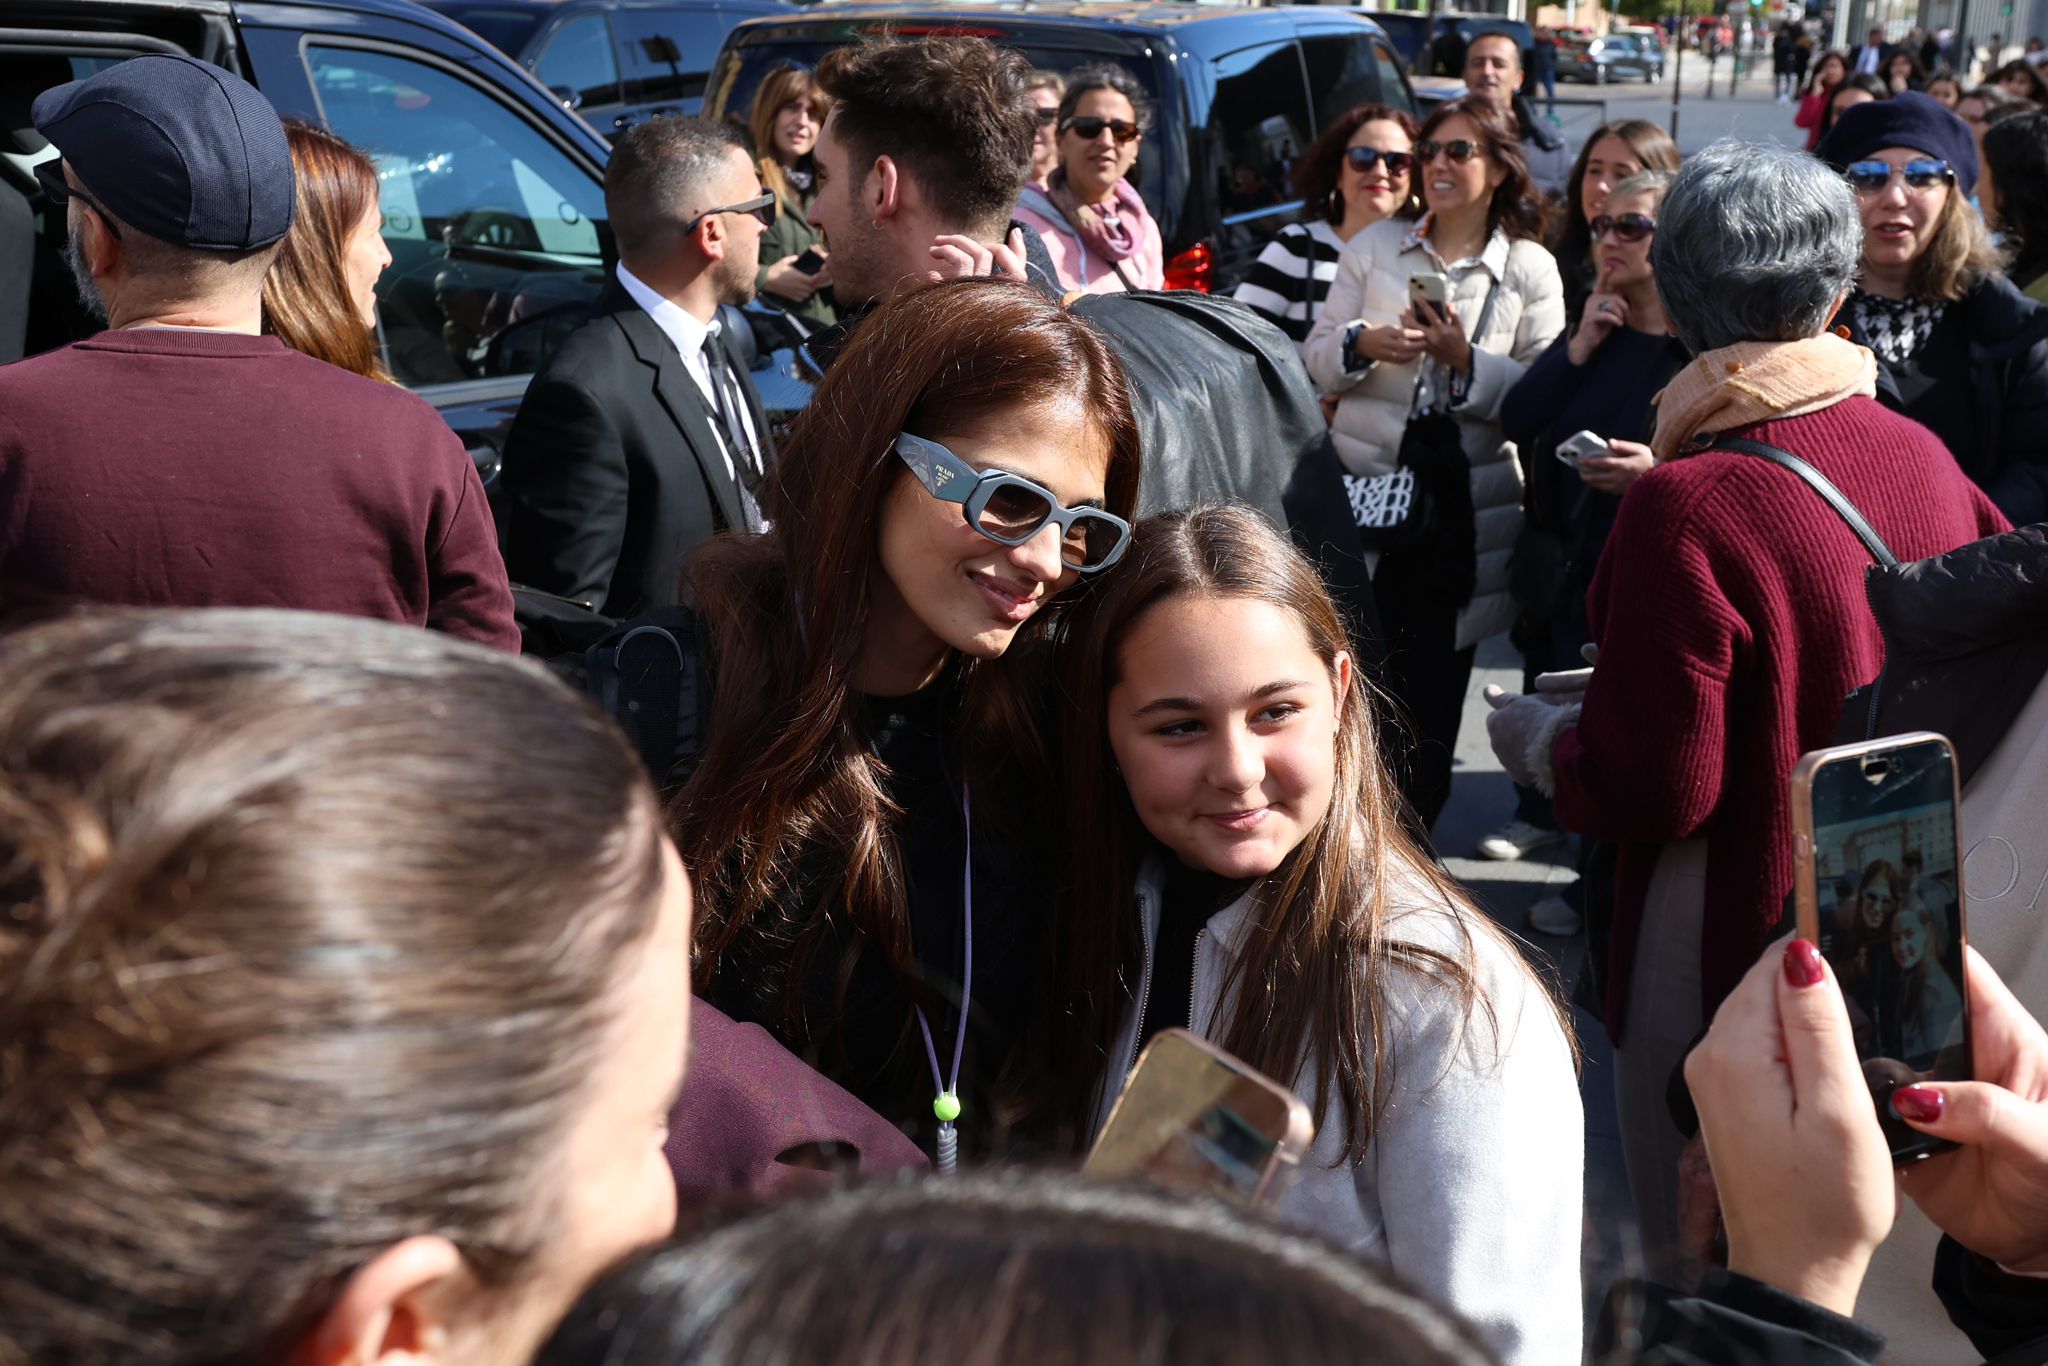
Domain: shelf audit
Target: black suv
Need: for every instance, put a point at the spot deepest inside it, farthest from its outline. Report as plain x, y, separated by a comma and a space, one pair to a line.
1239, 94
616, 62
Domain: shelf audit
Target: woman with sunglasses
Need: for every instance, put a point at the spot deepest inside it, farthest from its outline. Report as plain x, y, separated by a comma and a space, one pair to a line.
1094, 223
864, 817
1387, 354
1045, 90
1960, 349
1615, 152
1358, 173
789, 112
1601, 377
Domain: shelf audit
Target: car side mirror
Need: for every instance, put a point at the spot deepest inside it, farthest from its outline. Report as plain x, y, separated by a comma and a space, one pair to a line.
571, 99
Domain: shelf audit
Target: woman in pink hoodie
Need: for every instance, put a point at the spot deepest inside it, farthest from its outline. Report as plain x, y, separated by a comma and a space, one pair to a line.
1096, 228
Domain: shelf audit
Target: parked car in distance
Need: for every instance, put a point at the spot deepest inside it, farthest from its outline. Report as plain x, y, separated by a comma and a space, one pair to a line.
615, 62
492, 193
1614, 57
1650, 34
1238, 95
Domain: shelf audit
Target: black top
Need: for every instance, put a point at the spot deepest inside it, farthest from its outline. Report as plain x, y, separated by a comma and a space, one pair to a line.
1186, 902
870, 1042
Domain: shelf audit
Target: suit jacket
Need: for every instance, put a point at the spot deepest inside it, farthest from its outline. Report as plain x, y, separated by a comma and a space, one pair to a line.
612, 473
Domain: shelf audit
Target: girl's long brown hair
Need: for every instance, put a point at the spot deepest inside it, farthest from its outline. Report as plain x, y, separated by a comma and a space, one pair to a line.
1309, 982
784, 823
306, 299
779, 87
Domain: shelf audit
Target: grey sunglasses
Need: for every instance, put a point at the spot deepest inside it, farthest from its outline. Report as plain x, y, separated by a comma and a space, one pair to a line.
1009, 509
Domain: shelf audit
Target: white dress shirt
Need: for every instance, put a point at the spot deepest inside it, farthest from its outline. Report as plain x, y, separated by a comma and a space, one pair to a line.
689, 332
1867, 60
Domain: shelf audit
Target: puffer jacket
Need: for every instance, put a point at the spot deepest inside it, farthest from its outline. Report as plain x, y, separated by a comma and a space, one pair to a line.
1372, 410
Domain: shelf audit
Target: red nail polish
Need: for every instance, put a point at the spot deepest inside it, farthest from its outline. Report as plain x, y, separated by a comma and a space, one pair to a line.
1802, 964
1917, 1103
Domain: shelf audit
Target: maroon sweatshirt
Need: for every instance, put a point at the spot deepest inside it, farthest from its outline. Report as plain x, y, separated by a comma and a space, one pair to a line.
1732, 622
163, 467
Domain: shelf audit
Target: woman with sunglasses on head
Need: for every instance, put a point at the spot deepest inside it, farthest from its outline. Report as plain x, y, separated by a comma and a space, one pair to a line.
1388, 354
789, 112
1283, 911
1603, 377
1959, 348
865, 813
1094, 223
1358, 173
1615, 152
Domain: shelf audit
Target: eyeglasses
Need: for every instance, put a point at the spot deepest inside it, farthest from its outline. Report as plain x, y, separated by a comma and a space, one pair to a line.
59, 191
1010, 510
761, 207
1364, 158
1873, 177
1459, 150
1629, 227
1090, 128
1046, 113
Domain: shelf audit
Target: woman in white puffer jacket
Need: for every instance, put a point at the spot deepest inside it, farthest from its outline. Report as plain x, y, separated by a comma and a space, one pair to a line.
1372, 350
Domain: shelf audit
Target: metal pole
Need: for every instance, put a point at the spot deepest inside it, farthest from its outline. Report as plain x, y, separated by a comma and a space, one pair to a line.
1734, 66
1677, 68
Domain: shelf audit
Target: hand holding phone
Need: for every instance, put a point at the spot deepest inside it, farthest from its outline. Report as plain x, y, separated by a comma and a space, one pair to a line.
1429, 286
1195, 1119
1579, 445
811, 262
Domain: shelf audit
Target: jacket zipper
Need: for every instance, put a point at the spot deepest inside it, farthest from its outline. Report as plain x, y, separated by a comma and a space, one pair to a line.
1144, 991
1195, 979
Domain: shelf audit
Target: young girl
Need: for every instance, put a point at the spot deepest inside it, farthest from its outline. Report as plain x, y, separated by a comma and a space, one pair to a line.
1282, 912
863, 819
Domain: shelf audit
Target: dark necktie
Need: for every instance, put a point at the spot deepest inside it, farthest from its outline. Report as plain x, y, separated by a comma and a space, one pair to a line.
725, 404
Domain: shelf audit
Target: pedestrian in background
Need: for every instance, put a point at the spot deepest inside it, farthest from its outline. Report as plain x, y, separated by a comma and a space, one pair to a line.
1613, 153
2012, 187
1830, 71
1045, 89
321, 294
789, 109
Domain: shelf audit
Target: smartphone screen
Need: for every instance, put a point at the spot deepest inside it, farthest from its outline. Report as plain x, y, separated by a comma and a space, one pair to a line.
1886, 908
1193, 1118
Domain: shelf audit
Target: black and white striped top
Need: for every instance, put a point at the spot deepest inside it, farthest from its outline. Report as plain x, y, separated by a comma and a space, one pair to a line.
1292, 276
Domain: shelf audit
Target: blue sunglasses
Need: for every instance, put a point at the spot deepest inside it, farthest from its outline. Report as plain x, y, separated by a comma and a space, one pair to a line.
1009, 509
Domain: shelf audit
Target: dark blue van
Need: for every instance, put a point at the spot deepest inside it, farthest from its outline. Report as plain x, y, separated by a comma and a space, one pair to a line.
1240, 93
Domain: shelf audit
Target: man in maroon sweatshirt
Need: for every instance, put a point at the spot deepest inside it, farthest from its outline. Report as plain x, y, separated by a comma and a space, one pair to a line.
180, 458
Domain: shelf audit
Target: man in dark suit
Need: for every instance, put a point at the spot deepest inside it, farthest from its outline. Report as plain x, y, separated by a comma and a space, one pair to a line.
640, 437
1870, 59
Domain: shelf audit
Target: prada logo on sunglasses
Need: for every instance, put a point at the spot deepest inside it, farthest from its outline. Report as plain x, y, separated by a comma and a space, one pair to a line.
1012, 510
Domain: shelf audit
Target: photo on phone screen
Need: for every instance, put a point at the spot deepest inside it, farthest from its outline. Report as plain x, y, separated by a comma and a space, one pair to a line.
1888, 907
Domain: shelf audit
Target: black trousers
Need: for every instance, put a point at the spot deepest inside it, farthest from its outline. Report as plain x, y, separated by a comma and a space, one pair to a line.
1426, 675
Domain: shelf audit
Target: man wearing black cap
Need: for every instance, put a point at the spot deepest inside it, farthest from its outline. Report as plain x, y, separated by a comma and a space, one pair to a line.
180, 458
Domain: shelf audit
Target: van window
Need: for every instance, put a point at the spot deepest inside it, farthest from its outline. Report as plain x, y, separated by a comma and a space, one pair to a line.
1258, 126
1341, 73
667, 53
1393, 88
496, 233
578, 58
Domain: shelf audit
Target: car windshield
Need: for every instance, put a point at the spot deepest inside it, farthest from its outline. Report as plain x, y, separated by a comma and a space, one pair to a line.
741, 71
504, 27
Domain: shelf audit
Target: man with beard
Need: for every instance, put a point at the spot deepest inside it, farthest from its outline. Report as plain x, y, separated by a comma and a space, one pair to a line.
640, 437
182, 459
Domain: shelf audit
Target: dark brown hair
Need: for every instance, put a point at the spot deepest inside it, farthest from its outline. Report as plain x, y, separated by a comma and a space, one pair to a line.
306, 298
811, 840
1316, 174
954, 112
1309, 979
1514, 209
655, 172
1011, 1268
1652, 147
311, 935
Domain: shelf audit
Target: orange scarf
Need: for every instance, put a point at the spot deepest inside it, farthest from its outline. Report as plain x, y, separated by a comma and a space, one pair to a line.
1751, 382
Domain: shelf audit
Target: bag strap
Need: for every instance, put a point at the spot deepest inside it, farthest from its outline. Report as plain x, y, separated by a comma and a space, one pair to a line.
1818, 482
1485, 316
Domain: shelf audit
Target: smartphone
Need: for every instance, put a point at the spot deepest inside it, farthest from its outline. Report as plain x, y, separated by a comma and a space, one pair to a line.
1430, 286
810, 263
1579, 445
1193, 1118
1878, 886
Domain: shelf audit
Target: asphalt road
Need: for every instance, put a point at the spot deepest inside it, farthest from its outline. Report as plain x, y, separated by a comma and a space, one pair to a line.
1752, 115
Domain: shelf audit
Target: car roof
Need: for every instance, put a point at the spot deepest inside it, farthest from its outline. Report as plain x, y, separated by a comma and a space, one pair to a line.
1192, 24
546, 6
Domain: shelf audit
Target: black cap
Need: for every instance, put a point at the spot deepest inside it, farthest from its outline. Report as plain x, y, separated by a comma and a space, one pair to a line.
185, 152
1907, 119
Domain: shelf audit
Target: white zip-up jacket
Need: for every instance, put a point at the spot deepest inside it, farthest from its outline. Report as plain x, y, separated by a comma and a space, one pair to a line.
1472, 1189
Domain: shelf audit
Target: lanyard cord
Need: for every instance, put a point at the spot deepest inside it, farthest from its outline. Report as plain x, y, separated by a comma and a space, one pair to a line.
946, 1104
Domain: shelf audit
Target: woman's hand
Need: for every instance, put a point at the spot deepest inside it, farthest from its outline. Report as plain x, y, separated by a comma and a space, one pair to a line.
959, 256
1624, 463
1393, 344
1804, 1175
1991, 1195
785, 281
1604, 312
1442, 337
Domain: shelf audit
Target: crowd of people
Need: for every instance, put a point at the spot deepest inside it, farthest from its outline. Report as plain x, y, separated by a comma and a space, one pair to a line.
369, 994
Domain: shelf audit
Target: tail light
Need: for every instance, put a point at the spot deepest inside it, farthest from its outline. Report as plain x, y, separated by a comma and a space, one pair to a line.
1193, 269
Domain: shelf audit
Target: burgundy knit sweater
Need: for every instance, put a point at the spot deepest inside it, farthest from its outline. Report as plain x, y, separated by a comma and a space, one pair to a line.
1732, 622
162, 467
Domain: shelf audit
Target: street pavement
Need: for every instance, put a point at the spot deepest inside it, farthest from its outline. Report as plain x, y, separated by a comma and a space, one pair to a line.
1482, 798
